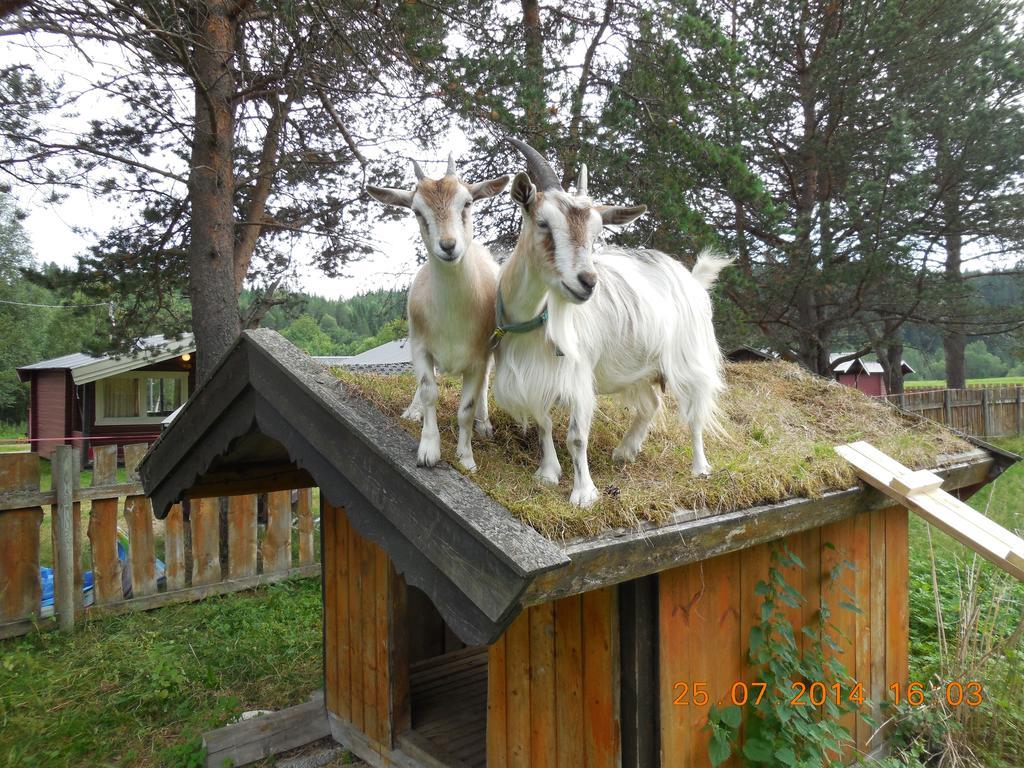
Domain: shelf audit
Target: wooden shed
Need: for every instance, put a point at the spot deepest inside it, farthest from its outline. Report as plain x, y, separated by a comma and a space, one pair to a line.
93, 400
456, 635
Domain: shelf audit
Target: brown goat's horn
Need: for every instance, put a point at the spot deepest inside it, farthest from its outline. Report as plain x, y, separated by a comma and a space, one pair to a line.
450, 171
541, 172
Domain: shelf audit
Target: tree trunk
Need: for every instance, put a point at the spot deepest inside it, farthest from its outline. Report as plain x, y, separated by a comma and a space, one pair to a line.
894, 372
212, 190
534, 90
953, 339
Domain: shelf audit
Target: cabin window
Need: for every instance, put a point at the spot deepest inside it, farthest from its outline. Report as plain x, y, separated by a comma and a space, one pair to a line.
140, 398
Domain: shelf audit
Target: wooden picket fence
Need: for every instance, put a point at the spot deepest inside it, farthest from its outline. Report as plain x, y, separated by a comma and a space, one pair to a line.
979, 411
258, 551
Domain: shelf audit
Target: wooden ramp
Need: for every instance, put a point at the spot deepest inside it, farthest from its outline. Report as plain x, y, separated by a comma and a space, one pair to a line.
921, 491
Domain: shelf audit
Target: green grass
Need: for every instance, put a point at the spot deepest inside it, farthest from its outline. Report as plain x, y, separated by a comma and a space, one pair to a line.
140, 689
982, 608
1004, 381
780, 425
10, 433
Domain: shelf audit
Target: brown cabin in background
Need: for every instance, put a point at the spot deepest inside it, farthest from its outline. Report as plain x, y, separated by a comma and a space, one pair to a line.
87, 400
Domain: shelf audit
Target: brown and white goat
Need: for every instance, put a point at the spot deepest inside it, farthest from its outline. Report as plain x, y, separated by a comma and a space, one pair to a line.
615, 320
450, 305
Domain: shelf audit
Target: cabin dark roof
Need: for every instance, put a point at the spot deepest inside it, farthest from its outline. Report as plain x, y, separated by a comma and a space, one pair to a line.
271, 417
85, 368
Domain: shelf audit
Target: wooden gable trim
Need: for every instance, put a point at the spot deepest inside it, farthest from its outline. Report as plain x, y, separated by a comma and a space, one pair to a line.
270, 416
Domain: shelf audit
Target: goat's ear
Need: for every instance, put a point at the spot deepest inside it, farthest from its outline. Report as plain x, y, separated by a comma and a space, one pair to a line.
620, 214
489, 188
388, 196
523, 191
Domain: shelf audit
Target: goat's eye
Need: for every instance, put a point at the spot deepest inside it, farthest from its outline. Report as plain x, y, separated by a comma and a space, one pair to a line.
542, 225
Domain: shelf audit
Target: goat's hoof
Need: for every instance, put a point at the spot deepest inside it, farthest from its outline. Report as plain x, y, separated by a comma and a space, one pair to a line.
484, 429
547, 477
584, 497
701, 471
468, 464
412, 414
428, 455
624, 455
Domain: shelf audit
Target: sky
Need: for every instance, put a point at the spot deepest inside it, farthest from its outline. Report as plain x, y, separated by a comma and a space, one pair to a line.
61, 231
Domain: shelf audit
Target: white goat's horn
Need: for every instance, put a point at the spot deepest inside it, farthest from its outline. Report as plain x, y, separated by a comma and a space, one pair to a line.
418, 171
581, 181
541, 172
451, 166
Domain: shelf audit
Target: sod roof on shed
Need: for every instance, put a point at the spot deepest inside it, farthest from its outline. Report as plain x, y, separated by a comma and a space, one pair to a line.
781, 424
272, 418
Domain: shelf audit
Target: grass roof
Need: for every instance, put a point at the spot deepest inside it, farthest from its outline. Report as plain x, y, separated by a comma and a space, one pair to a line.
781, 425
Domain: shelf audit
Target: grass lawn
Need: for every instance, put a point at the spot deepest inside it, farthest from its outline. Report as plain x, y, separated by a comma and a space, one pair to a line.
982, 607
1004, 381
140, 689
10, 433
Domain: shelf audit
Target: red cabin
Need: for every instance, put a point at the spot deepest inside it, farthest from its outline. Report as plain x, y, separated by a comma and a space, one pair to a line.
87, 400
865, 375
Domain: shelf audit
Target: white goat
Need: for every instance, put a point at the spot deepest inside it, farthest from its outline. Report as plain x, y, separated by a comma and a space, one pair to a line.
617, 321
451, 305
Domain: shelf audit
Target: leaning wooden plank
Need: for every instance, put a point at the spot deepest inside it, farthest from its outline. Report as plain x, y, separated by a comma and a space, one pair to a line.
252, 740
277, 546
970, 517
993, 528
138, 514
997, 545
965, 528
20, 587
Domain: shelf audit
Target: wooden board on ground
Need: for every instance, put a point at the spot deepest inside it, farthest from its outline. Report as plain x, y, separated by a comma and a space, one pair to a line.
920, 492
267, 735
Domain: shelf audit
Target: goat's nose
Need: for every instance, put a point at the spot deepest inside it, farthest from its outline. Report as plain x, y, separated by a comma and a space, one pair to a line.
588, 279
447, 245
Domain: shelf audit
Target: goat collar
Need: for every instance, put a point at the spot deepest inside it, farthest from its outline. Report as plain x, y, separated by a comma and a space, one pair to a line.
504, 327
514, 328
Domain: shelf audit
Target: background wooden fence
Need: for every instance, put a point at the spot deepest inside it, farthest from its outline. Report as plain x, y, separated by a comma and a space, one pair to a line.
261, 546
980, 411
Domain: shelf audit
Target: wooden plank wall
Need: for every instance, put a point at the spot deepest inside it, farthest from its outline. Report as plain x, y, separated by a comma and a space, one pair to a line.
365, 668
706, 610
553, 686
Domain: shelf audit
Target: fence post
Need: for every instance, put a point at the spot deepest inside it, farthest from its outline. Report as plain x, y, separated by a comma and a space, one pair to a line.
64, 599
1020, 427
985, 415
947, 406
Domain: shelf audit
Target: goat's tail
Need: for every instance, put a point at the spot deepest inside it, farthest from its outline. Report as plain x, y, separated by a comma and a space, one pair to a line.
708, 265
